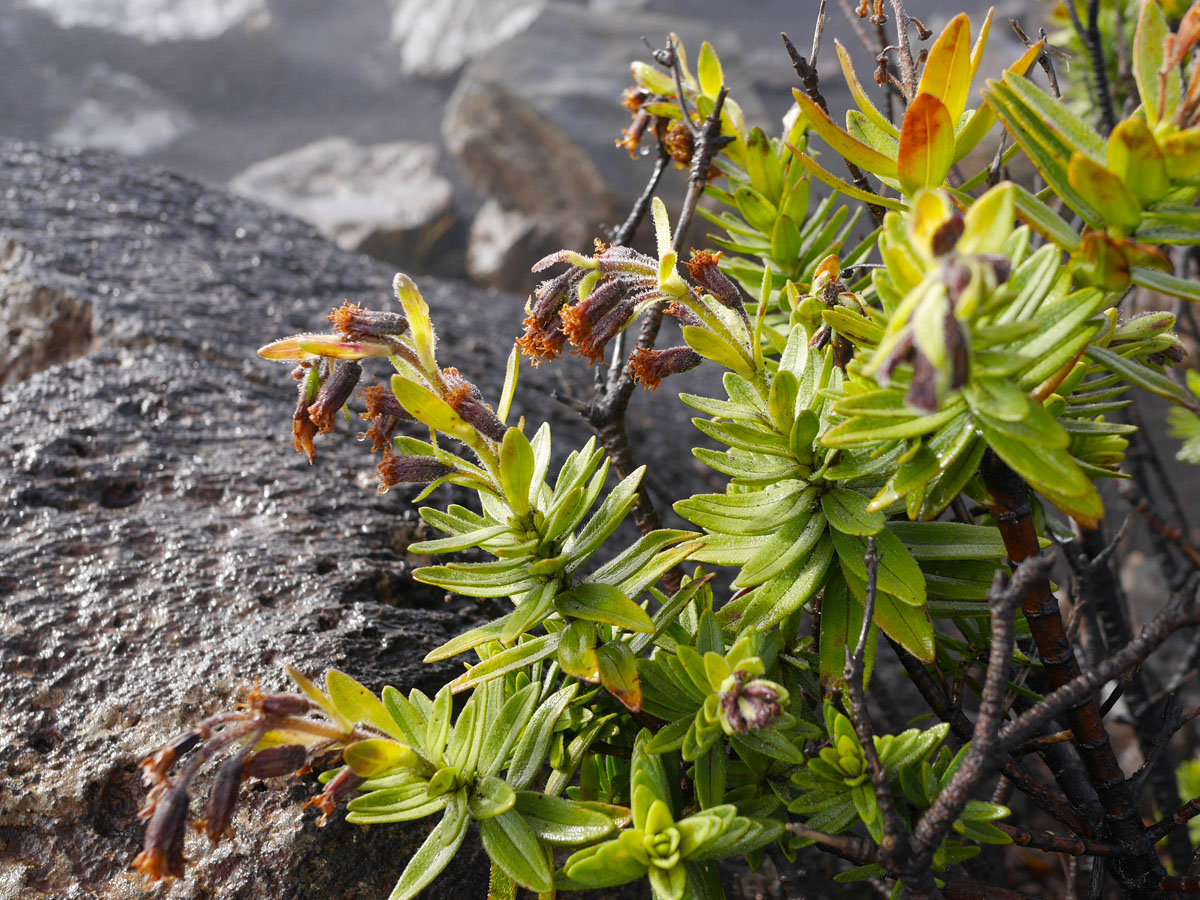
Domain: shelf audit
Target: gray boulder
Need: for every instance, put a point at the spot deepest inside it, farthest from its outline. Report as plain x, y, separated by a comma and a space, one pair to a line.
533, 123
435, 37
383, 199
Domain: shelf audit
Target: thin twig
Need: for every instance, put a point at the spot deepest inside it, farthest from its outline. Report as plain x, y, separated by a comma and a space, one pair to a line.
1053, 843
1095, 46
894, 831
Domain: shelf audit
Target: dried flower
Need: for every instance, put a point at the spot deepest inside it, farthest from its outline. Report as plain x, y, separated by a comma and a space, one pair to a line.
334, 393
384, 412
275, 762
395, 470
703, 269
162, 850
303, 427
341, 786
468, 402
649, 367
352, 321
218, 817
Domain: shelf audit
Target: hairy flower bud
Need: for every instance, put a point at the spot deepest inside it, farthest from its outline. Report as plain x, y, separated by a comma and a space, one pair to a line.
352, 321
395, 470
279, 705
155, 767
591, 334
303, 427
218, 816
345, 783
702, 268
275, 762
649, 367
384, 412
162, 850
333, 394
468, 402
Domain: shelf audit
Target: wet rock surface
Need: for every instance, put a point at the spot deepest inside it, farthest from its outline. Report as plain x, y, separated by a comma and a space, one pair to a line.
162, 545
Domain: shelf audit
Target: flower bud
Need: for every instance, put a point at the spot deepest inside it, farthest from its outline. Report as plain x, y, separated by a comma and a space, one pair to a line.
468, 402
702, 268
156, 766
649, 367
384, 412
750, 704
395, 470
343, 784
279, 705
333, 394
275, 762
589, 334
351, 321
945, 238
221, 804
162, 849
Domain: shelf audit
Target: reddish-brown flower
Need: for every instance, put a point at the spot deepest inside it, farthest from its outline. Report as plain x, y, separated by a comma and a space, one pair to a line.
162, 850
468, 402
351, 321
334, 393
395, 470
649, 367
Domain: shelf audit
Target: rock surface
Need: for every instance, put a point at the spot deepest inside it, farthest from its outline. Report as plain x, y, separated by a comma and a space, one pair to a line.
533, 123
163, 545
435, 37
384, 199
159, 21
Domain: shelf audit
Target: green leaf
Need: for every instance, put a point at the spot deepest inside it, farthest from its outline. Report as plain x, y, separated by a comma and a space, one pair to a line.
513, 847
949, 540
1143, 376
618, 674
909, 626
577, 652
1173, 286
841, 624
1152, 31
604, 521
518, 657
377, 755
562, 823
708, 71
898, 572
435, 854
516, 470
431, 410
530, 751
603, 603
1104, 192
357, 704
854, 150
503, 733
847, 511
490, 797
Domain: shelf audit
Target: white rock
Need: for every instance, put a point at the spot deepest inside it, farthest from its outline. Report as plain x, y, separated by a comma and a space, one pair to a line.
436, 37
386, 199
158, 21
121, 112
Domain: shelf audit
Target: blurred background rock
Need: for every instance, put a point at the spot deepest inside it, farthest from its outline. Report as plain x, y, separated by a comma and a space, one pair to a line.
455, 137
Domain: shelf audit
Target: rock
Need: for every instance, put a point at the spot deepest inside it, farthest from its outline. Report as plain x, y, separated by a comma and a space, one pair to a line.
384, 199
159, 21
121, 112
501, 244
436, 37
532, 126
163, 545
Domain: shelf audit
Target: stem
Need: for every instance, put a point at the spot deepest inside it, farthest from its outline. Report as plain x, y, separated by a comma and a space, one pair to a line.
1013, 513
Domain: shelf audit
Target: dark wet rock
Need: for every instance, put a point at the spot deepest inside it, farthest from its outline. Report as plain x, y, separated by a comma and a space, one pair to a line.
163, 545
383, 199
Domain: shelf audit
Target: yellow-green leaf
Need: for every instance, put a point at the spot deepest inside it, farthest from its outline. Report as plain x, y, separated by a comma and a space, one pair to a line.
948, 71
416, 310
1104, 192
853, 150
708, 71
926, 145
377, 755
431, 410
357, 704
870, 110
1148, 56
1135, 157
